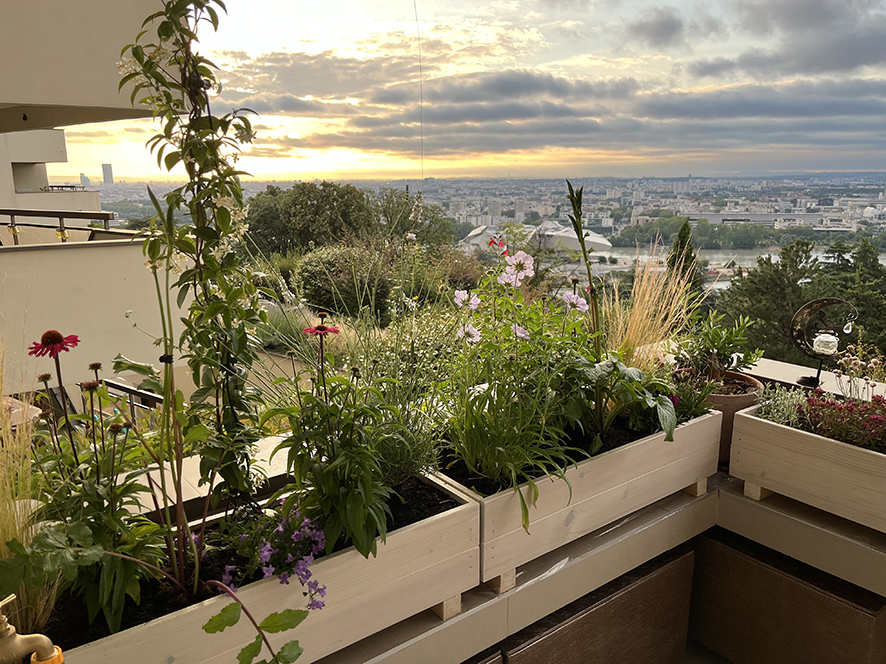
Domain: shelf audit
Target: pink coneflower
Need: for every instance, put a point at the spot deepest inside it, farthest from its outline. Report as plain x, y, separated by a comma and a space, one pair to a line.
52, 343
321, 330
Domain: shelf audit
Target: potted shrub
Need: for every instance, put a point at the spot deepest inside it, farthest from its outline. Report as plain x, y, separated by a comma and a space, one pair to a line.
822, 450
718, 353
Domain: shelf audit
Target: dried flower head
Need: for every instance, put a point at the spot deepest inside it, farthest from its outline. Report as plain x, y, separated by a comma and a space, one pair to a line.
95, 366
44, 378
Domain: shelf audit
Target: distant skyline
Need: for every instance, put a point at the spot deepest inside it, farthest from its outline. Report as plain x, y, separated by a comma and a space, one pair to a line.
547, 88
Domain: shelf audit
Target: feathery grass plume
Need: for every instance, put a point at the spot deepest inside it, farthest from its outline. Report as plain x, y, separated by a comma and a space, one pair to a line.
659, 306
32, 606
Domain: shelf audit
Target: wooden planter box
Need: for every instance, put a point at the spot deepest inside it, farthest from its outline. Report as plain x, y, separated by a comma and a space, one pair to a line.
604, 488
836, 477
425, 565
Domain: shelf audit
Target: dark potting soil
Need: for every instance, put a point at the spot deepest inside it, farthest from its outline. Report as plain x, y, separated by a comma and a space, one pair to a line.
69, 625
733, 386
616, 437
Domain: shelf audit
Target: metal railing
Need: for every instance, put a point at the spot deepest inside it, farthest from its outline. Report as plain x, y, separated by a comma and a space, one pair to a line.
61, 231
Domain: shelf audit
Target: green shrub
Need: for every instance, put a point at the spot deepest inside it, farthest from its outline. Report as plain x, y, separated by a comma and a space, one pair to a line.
346, 280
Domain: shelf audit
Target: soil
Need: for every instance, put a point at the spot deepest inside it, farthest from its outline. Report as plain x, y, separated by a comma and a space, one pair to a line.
615, 437
733, 386
69, 625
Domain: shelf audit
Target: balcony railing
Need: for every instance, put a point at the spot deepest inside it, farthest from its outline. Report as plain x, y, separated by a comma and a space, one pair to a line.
61, 231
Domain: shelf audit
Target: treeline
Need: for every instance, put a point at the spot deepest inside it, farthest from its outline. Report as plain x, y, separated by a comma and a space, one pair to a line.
283, 221
706, 235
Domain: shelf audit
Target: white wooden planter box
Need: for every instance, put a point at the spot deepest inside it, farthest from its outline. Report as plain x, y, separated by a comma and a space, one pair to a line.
836, 477
604, 488
425, 565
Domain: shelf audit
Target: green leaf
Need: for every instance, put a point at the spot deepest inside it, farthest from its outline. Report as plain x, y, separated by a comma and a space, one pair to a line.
280, 622
80, 533
227, 617
289, 652
250, 652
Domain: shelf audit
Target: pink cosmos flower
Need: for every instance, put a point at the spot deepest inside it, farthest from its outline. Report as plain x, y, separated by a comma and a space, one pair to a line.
575, 302
469, 333
521, 265
463, 298
520, 332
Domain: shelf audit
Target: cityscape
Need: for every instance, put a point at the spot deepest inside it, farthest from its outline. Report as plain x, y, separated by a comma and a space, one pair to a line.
829, 202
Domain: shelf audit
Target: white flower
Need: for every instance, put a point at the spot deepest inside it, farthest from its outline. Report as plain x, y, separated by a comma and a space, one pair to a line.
410, 237
469, 333
575, 302
244, 135
520, 332
225, 202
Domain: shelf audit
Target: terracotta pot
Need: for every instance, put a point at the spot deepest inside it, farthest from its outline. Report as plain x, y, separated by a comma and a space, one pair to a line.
729, 405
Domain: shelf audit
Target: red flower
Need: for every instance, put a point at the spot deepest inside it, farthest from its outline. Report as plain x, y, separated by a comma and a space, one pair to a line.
492, 242
321, 330
52, 343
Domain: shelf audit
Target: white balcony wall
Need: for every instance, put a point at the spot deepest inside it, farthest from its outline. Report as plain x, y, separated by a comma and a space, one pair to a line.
83, 289
58, 200
61, 61
42, 146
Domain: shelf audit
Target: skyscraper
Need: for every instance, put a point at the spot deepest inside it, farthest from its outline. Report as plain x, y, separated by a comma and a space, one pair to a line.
84, 181
107, 174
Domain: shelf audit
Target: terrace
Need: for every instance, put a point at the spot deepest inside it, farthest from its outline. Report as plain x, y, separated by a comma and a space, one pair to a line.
625, 566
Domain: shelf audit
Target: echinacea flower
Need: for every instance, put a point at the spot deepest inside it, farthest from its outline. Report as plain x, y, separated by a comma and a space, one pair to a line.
575, 302
469, 333
52, 343
321, 330
520, 332
521, 265
463, 298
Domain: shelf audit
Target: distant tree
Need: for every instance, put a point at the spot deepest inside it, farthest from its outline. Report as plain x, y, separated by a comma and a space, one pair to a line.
398, 212
682, 260
137, 223
281, 221
771, 293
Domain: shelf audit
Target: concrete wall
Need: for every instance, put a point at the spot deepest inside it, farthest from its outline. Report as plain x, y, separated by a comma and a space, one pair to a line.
81, 289
60, 61
23, 159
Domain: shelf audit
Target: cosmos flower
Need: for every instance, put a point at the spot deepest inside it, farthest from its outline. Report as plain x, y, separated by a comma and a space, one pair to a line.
520, 332
469, 333
575, 302
463, 298
509, 280
52, 343
521, 265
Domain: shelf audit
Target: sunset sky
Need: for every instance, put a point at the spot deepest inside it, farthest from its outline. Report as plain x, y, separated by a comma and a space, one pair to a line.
540, 88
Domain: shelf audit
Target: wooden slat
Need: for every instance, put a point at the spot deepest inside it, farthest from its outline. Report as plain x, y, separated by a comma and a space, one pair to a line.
517, 547
501, 512
604, 488
842, 479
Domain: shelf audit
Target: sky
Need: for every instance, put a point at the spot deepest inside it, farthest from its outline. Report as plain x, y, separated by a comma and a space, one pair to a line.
538, 88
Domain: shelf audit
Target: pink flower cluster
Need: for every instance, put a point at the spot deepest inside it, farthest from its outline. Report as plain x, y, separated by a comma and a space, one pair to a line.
861, 423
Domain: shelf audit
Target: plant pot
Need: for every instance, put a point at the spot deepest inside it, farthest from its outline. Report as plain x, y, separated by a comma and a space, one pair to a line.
835, 477
604, 488
729, 405
424, 565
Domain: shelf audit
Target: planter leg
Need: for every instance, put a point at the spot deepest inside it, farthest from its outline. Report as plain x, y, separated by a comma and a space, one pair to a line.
756, 492
700, 488
448, 607
502, 584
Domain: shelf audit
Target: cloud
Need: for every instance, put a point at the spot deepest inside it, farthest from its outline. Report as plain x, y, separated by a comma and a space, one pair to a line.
661, 27
764, 17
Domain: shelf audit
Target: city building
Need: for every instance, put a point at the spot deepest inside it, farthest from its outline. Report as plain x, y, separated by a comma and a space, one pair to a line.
107, 174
